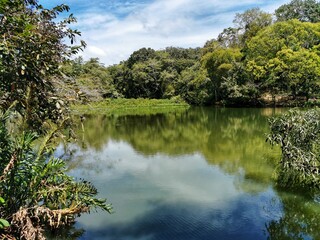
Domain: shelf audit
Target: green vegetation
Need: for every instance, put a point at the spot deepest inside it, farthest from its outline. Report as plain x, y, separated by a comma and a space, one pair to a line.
258, 62
303, 10
31, 50
229, 138
301, 218
254, 59
138, 106
298, 134
36, 192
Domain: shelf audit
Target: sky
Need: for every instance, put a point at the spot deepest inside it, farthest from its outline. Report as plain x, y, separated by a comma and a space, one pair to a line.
113, 29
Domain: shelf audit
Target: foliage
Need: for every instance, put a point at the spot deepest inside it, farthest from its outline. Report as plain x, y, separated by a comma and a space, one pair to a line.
230, 37
236, 89
194, 86
31, 49
34, 183
298, 134
248, 62
303, 10
154, 74
250, 22
3, 223
146, 74
283, 58
131, 106
38, 194
91, 80
218, 63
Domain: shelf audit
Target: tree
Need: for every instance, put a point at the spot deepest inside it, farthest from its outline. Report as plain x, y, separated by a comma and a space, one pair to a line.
251, 22
297, 71
140, 55
237, 88
195, 86
31, 50
284, 58
303, 10
230, 37
36, 191
298, 134
152, 74
146, 80
217, 64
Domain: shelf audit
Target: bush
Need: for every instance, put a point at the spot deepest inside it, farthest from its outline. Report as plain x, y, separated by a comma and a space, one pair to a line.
36, 189
298, 134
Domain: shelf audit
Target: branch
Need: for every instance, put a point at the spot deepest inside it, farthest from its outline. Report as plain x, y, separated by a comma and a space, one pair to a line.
9, 166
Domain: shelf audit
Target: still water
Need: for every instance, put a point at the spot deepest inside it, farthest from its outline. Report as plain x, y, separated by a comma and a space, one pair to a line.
201, 173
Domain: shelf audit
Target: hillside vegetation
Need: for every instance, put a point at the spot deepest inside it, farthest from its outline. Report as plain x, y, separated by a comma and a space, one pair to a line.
263, 59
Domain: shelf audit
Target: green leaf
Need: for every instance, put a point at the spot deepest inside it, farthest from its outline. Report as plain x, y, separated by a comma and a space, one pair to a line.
4, 223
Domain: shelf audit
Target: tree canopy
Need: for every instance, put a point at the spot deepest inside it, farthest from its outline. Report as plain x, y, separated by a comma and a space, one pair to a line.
31, 50
284, 56
255, 58
36, 192
303, 10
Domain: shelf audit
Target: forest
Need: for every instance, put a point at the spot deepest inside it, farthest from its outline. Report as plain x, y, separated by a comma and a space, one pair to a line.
263, 59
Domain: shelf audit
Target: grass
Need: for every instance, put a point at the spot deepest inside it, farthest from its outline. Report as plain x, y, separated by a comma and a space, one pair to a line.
130, 106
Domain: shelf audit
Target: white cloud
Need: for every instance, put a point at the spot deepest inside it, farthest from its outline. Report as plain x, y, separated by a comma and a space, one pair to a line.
115, 29
120, 167
93, 50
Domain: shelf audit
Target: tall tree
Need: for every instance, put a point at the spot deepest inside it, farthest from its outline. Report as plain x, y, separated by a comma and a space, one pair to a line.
31, 50
140, 55
250, 22
36, 192
303, 10
284, 57
230, 37
195, 86
218, 63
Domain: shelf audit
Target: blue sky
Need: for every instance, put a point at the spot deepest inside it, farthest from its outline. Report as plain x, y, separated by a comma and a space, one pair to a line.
113, 29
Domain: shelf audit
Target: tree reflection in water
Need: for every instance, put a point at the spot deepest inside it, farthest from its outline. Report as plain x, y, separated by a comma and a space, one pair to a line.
231, 139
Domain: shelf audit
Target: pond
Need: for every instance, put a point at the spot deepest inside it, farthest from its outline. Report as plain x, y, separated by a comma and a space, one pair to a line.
201, 173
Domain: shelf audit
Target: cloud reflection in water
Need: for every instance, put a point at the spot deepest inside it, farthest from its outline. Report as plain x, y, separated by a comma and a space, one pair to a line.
161, 197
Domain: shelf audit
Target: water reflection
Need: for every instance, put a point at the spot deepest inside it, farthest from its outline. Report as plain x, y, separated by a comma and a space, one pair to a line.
300, 220
200, 174
162, 197
233, 139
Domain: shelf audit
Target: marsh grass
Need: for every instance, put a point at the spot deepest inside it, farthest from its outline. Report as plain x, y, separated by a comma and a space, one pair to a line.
138, 106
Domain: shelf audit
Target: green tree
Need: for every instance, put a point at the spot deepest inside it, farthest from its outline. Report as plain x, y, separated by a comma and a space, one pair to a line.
37, 192
152, 74
31, 50
237, 88
73, 68
120, 74
194, 86
250, 22
284, 58
140, 55
218, 64
230, 37
298, 134
303, 10
146, 79
95, 79
297, 71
